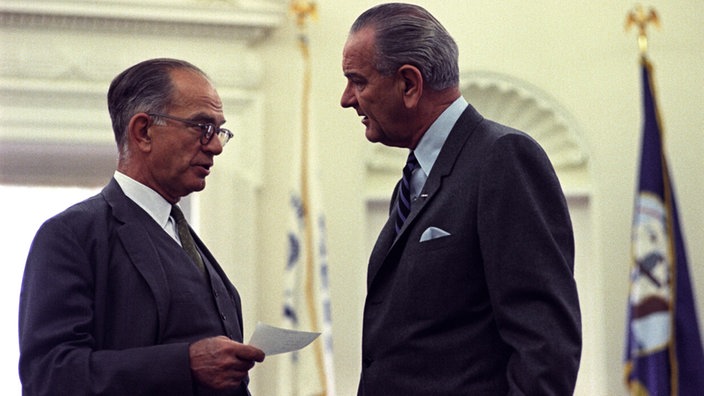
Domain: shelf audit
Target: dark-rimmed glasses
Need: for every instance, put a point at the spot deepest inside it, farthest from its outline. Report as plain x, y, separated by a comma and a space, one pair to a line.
207, 130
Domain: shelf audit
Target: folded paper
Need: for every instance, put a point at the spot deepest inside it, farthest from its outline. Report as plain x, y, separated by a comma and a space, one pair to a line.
274, 340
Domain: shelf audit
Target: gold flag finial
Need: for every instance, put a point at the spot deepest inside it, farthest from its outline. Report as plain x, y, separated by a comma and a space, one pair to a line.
303, 9
641, 18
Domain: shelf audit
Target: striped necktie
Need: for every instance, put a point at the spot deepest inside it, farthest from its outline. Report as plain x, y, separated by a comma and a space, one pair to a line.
184, 234
403, 207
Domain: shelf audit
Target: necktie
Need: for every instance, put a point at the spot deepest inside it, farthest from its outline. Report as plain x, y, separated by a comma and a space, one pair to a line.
184, 234
403, 207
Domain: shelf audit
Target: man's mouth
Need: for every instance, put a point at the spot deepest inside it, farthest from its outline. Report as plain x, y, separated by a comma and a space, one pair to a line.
204, 167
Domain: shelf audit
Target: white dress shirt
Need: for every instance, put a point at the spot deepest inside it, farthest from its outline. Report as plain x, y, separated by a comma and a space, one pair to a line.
432, 141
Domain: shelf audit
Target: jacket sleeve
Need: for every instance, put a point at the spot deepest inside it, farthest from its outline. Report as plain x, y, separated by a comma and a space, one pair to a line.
528, 249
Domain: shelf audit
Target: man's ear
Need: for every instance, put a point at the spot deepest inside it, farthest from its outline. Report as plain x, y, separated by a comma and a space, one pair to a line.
138, 131
412, 84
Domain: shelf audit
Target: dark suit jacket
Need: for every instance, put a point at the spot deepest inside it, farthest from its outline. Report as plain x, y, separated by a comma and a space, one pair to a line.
491, 309
97, 312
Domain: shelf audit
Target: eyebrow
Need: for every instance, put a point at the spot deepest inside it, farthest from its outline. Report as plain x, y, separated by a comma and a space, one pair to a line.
354, 75
205, 118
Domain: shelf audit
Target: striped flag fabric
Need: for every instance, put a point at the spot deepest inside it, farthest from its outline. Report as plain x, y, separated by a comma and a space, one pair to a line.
306, 303
663, 350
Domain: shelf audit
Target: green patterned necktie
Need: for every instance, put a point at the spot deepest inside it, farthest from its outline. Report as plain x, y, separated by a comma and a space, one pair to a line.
184, 234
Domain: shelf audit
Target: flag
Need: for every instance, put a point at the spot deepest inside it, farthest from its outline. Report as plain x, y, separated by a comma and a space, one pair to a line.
307, 299
663, 347
306, 304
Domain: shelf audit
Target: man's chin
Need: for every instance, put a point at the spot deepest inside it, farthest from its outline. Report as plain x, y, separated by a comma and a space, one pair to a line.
376, 138
198, 185
372, 136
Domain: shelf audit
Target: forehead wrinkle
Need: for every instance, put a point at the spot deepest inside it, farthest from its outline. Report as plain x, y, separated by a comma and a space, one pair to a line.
212, 101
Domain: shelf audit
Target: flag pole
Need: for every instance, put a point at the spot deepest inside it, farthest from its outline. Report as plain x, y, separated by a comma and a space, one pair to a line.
664, 352
641, 19
303, 10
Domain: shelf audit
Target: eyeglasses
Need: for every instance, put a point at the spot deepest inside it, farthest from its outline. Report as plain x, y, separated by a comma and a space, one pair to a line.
207, 130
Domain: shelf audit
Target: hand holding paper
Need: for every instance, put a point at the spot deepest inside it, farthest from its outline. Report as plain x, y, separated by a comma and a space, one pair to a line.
273, 340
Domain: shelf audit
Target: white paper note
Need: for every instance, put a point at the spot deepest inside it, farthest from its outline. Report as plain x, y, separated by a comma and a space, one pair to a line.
273, 340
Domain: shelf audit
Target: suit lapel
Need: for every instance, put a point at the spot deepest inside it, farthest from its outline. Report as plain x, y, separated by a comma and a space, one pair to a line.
381, 248
456, 140
138, 244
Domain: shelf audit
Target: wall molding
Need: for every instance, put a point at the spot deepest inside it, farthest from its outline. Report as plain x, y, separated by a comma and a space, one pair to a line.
519, 104
250, 21
59, 57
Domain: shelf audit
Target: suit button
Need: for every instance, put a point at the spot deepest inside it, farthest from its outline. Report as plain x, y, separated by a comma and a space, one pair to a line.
367, 361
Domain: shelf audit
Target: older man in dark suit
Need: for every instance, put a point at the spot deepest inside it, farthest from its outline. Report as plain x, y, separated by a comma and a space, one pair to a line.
470, 283
119, 296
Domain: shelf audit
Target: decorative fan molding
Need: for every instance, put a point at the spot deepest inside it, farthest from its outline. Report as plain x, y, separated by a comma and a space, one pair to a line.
518, 104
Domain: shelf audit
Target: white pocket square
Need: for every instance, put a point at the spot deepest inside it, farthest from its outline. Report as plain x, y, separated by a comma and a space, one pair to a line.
433, 233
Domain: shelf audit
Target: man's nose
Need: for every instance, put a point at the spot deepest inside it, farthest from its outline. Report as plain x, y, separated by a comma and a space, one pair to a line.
214, 146
348, 99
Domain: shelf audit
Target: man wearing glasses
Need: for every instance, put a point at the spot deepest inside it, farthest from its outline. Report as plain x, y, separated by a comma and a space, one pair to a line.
119, 296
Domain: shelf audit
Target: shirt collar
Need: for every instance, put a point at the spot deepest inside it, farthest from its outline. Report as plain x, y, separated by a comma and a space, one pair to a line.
149, 200
432, 141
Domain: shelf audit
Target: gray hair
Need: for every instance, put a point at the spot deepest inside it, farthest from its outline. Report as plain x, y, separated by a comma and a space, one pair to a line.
145, 87
408, 34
